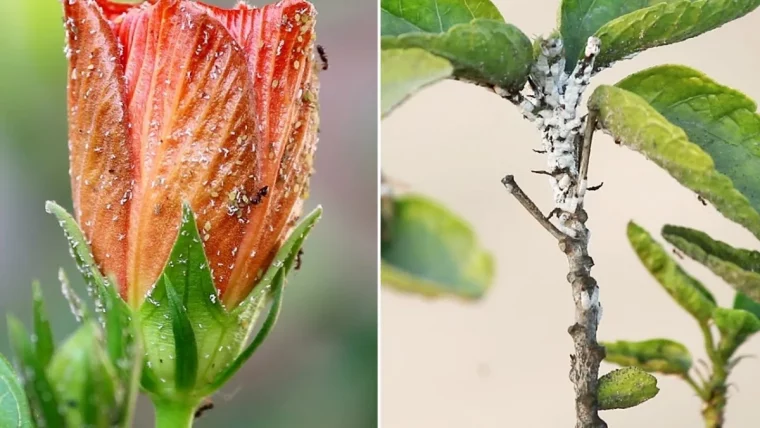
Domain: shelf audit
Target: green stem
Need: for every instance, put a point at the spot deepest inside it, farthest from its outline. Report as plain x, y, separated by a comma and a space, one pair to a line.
170, 414
715, 389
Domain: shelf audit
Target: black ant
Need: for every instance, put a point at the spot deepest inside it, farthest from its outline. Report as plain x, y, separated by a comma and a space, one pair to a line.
322, 56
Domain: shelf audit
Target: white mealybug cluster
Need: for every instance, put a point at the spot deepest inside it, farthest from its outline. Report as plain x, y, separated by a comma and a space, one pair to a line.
554, 109
589, 300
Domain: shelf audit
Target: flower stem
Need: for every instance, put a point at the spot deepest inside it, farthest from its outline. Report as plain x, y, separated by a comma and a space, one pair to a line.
171, 414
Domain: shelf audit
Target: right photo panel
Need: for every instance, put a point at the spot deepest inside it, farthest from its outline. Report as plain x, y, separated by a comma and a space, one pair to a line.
570, 213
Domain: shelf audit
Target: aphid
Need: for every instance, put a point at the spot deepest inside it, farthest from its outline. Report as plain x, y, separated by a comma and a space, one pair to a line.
322, 56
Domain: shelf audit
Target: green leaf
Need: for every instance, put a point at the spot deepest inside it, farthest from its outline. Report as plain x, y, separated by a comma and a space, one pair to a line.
625, 388
485, 51
735, 326
44, 345
636, 124
654, 355
741, 301
41, 394
665, 23
739, 268
431, 16
580, 19
406, 71
721, 121
185, 347
85, 380
689, 293
14, 409
433, 252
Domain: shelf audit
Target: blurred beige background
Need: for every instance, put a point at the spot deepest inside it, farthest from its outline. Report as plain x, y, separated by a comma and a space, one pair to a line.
503, 362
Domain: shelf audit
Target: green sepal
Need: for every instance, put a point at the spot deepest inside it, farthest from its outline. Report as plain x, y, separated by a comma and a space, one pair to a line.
687, 291
185, 347
86, 381
735, 326
184, 309
42, 396
625, 388
14, 405
271, 287
654, 355
44, 345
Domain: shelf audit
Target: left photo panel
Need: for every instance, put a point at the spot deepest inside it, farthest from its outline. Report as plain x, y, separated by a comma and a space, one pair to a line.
188, 213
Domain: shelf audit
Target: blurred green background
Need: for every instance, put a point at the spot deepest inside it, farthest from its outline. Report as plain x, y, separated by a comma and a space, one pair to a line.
319, 367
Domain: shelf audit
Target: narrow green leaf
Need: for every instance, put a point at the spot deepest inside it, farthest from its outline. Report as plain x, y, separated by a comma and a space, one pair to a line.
433, 252
689, 293
96, 283
741, 301
665, 23
185, 347
406, 71
636, 124
485, 51
654, 355
580, 19
739, 268
14, 408
431, 16
41, 394
266, 328
735, 326
721, 121
44, 345
625, 388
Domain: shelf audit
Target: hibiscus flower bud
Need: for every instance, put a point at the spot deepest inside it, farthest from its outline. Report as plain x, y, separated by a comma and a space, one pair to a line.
192, 132
175, 100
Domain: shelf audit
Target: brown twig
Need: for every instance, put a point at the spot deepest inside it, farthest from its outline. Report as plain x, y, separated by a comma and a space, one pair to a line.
512, 187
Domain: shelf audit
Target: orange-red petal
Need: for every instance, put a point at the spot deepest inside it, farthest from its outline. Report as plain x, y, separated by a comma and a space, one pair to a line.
101, 161
191, 101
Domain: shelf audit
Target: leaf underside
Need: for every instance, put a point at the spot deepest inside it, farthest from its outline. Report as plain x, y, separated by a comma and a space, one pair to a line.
430, 251
406, 71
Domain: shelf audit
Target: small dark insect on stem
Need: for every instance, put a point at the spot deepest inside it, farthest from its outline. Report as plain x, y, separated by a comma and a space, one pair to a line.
701, 199
299, 259
322, 56
203, 409
597, 187
678, 253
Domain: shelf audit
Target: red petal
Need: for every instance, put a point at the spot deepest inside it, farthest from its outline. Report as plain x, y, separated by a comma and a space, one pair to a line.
101, 162
278, 40
192, 106
113, 10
